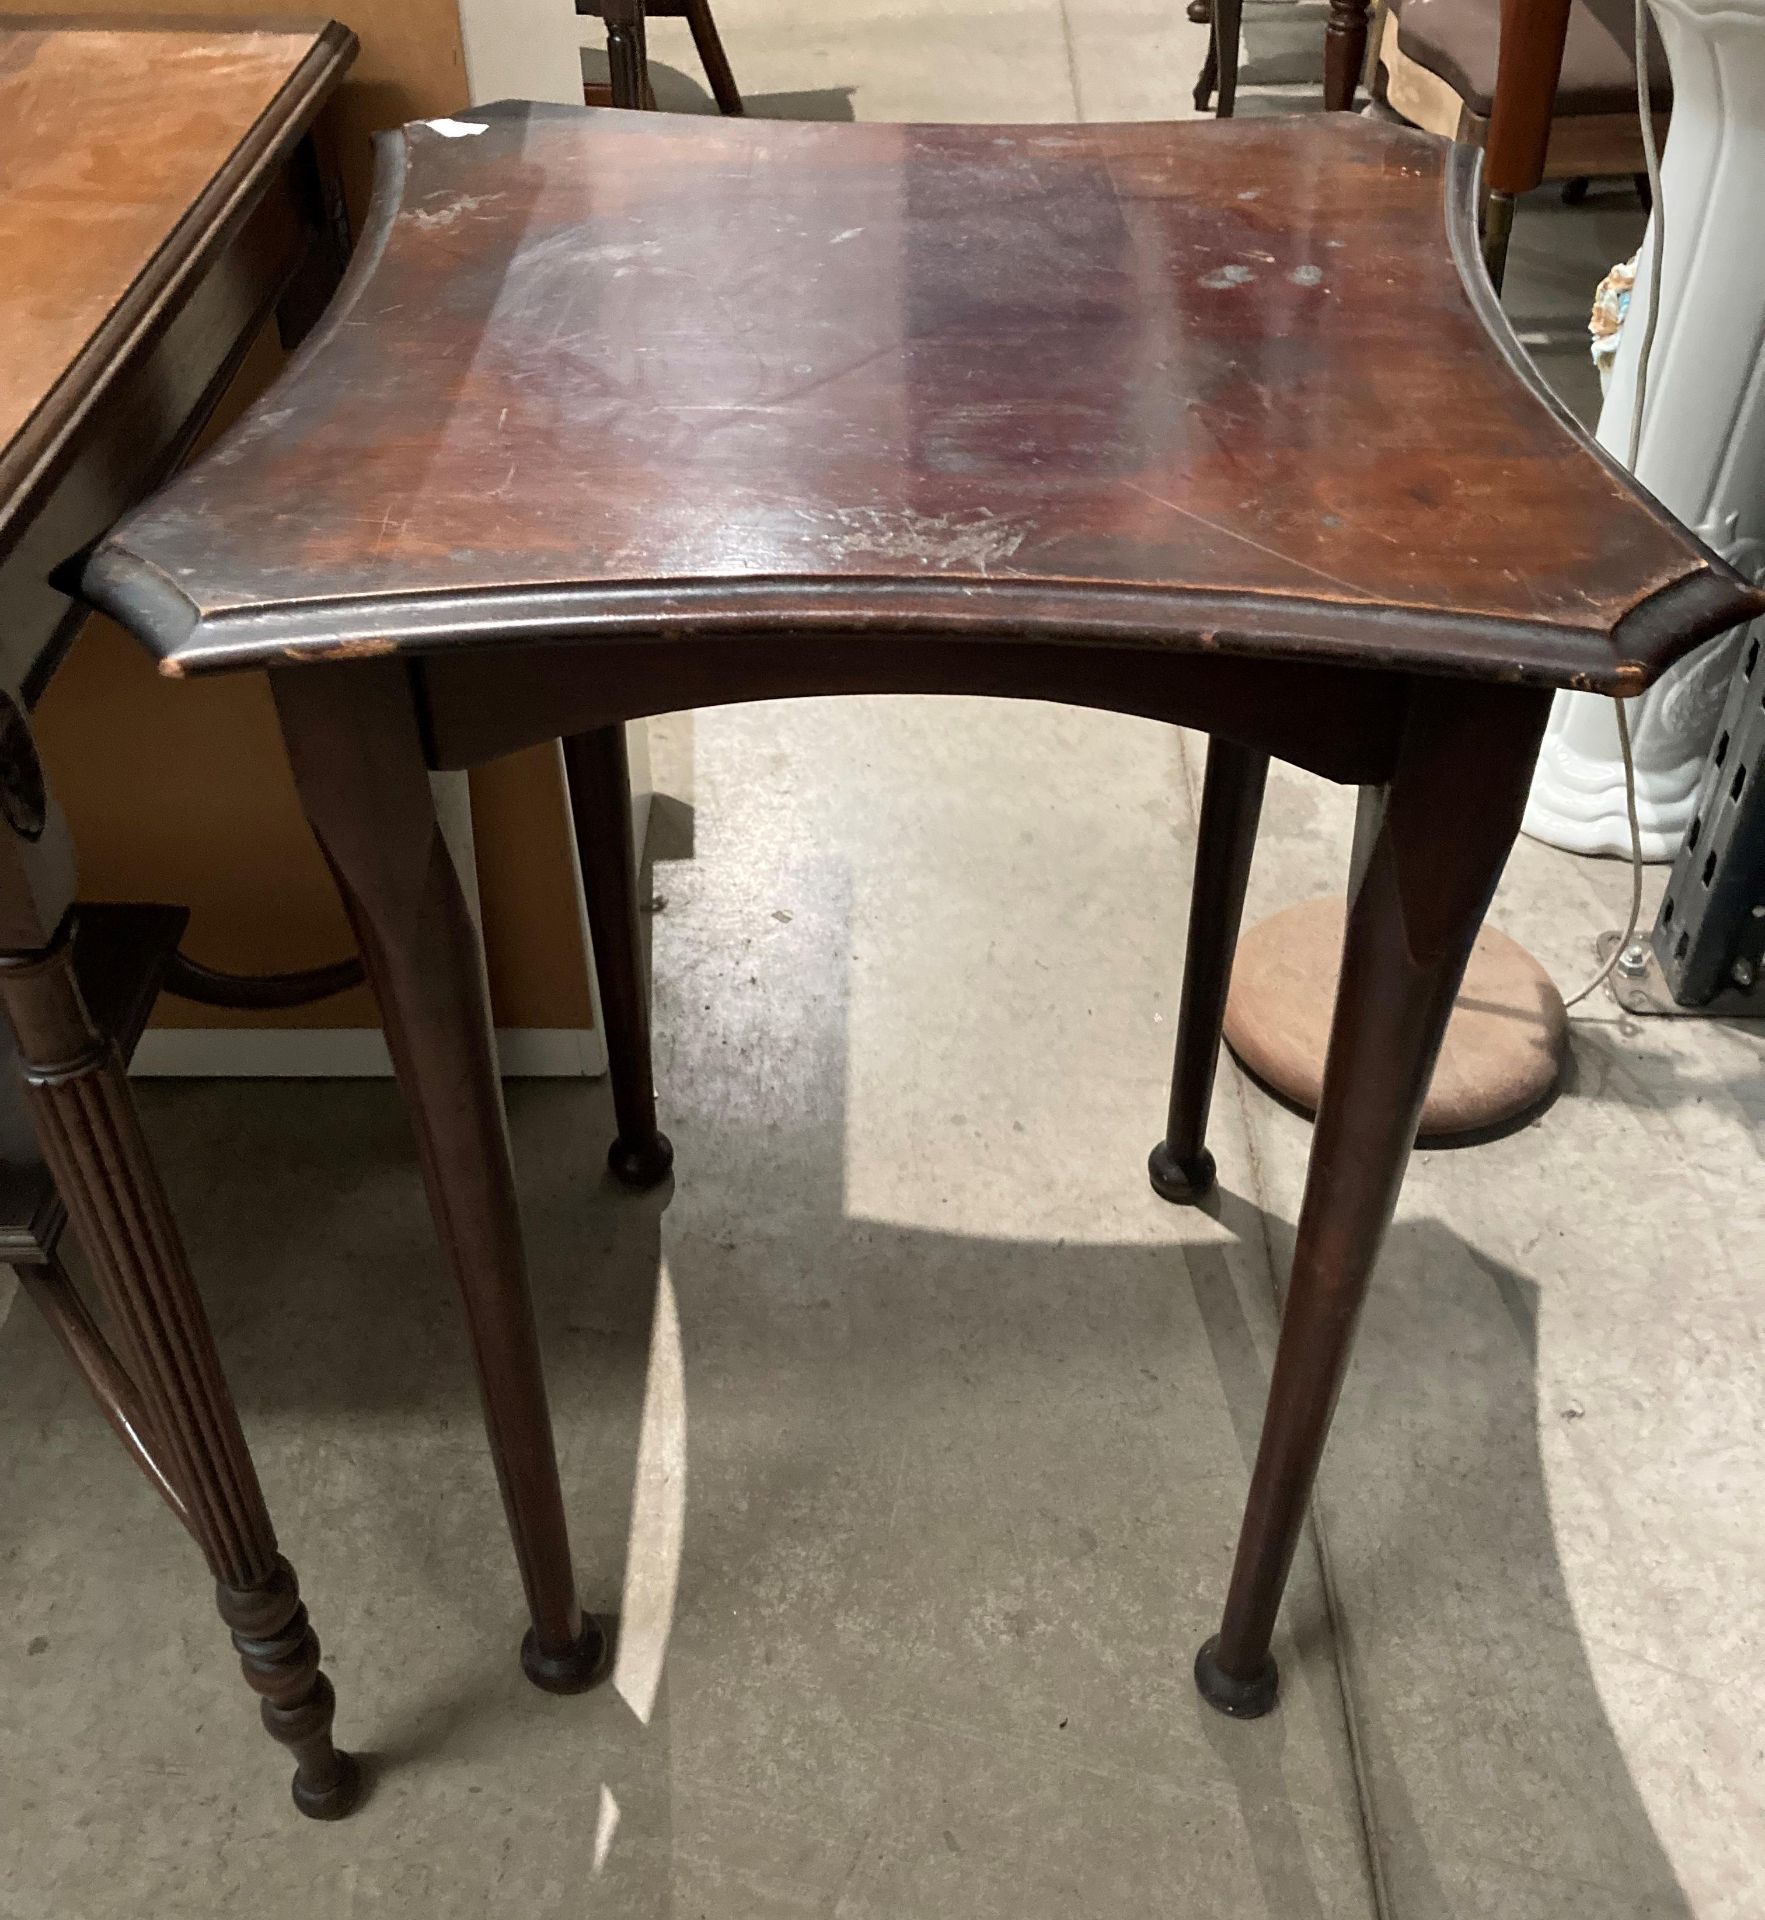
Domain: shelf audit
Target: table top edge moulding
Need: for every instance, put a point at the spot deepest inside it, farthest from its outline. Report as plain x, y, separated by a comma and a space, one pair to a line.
33, 457
564, 269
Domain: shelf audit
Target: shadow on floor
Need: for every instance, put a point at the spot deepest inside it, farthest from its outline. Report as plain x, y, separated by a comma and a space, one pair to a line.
915, 1531
1493, 1781
836, 1350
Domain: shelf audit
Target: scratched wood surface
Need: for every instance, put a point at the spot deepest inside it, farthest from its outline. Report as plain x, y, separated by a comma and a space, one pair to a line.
1235, 387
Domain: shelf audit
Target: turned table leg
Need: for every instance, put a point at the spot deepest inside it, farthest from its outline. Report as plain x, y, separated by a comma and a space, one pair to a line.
354, 742
1181, 1167
1428, 877
598, 772
628, 53
169, 1395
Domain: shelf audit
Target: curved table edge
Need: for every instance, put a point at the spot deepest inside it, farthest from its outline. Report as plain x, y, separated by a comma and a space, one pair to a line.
1685, 612
1681, 613
1692, 607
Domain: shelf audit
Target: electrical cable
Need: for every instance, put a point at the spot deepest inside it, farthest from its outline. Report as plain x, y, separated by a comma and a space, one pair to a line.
1657, 251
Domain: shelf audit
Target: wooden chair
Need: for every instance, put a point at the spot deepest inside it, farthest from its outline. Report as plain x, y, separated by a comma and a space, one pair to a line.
909, 458
1436, 66
627, 48
1494, 74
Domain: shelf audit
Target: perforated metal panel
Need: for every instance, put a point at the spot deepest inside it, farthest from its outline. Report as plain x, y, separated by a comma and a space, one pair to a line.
1710, 932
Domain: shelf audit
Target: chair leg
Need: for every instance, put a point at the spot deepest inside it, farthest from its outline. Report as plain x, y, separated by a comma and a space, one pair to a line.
628, 54
1345, 52
185, 1428
1228, 33
599, 777
712, 57
353, 739
1180, 1166
1210, 63
1452, 810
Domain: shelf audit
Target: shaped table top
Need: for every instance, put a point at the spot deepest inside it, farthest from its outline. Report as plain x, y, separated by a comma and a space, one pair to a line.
1237, 386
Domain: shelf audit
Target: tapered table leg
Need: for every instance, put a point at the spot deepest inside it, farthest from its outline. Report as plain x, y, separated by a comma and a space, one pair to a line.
598, 772
1427, 882
1181, 1167
354, 742
192, 1444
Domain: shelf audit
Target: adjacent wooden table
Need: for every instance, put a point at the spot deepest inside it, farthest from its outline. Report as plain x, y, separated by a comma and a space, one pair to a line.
1217, 424
160, 202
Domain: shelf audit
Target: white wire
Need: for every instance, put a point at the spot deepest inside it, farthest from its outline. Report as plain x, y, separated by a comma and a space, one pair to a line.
1657, 247
1629, 934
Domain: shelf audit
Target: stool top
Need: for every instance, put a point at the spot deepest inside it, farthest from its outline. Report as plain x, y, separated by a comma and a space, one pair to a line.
1236, 387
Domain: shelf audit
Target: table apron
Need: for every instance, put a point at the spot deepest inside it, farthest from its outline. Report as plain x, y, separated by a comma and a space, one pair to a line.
1341, 722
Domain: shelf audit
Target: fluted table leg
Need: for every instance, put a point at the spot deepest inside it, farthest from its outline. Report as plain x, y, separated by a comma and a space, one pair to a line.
91, 1138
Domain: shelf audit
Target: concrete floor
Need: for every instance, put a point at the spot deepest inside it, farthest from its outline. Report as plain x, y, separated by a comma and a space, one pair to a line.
910, 1432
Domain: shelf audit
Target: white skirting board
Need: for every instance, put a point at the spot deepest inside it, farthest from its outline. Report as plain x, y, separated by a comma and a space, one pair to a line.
346, 1053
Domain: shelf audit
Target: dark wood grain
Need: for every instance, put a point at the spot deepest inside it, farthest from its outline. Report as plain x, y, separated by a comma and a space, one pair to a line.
1533, 37
598, 773
354, 744
1221, 425
180, 1415
1210, 66
627, 54
1186, 387
1430, 871
709, 44
628, 63
1220, 69
119, 954
1345, 52
1180, 1165
480, 703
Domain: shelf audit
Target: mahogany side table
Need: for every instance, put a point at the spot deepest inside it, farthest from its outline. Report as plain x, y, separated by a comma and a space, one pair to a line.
160, 202
1219, 424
